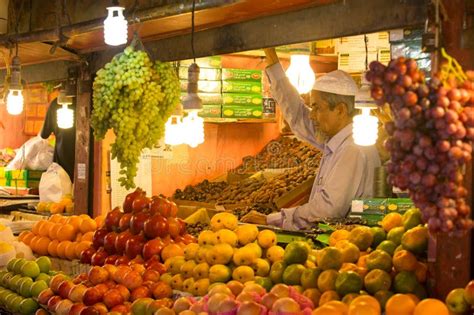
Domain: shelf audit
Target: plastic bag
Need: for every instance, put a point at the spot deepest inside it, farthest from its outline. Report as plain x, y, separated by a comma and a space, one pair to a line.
54, 184
35, 154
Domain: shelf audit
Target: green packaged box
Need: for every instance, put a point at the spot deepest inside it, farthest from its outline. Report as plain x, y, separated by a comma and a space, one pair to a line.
382, 205
241, 99
241, 74
203, 86
23, 175
211, 111
205, 74
207, 98
205, 62
230, 111
241, 87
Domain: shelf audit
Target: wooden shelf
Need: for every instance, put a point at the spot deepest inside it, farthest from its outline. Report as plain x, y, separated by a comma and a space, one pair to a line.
239, 120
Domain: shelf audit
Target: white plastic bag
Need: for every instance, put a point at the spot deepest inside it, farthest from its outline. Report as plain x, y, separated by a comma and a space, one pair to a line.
54, 184
35, 154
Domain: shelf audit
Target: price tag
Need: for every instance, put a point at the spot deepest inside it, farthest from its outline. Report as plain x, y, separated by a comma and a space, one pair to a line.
357, 206
81, 171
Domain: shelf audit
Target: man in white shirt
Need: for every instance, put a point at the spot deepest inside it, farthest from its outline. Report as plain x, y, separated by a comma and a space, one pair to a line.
346, 170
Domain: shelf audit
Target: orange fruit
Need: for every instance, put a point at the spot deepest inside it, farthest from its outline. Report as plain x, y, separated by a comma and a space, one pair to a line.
81, 246
328, 296
430, 307
404, 260
327, 310
53, 248
44, 228
414, 298
70, 250
22, 235
363, 308
27, 237
337, 236
33, 241
62, 248
362, 262
53, 232
421, 272
87, 236
75, 221
78, 237
66, 233
400, 304
369, 300
100, 221
55, 218
36, 227
41, 246
340, 306
88, 225
391, 221
171, 250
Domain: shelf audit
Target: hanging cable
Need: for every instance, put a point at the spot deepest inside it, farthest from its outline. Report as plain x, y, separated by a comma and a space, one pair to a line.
192, 30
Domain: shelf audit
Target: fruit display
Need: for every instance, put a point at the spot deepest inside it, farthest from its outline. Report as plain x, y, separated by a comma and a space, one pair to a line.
22, 282
429, 139
284, 152
241, 211
204, 191
196, 228
105, 289
61, 236
65, 205
134, 97
145, 230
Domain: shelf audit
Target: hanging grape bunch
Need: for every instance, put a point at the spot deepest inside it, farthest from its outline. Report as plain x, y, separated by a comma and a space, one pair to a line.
430, 137
134, 98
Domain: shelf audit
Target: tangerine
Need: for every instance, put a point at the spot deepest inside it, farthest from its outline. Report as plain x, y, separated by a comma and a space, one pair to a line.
87, 236
391, 220
61, 249
41, 246
53, 232
88, 225
400, 304
328, 296
70, 250
431, 306
53, 248
66, 233
171, 250
404, 260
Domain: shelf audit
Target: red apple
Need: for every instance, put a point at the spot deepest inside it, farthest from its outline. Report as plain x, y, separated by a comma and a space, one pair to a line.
137, 260
140, 292
138, 267
110, 260
174, 227
182, 226
98, 259
134, 246
121, 241
89, 310
98, 238
64, 288
109, 242
103, 288
86, 255
53, 302
92, 296
173, 209
188, 239
44, 296
152, 248
121, 309
157, 266
123, 291
63, 307
141, 202
112, 219
151, 275
113, 298
128, 202
80, 278
155, 226
122, 260
132, 280
137, 221
77, 293
56, 281
101, 308
76, 308
111, 269
124, 222
98, 275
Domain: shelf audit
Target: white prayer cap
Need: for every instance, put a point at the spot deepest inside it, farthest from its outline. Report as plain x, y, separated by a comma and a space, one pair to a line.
336, 82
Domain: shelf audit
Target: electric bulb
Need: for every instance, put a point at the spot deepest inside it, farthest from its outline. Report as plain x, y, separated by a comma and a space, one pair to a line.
115, 27
65, 117
300, 73
194, 126
365, 128
14, 102
174, 130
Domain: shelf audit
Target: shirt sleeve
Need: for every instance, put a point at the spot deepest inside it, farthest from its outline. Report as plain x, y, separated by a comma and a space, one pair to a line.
336, 193
292, 106
49, 121
275, 219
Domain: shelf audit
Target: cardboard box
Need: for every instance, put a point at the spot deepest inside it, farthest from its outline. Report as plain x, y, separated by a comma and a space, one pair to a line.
205, 62
212, 111
241, 87
23, 175
241, 74
205, 74
203, 86
238, 99
208, 98
230, 111
354, 61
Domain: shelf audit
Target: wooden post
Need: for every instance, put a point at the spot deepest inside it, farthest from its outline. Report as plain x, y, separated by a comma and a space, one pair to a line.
81, 170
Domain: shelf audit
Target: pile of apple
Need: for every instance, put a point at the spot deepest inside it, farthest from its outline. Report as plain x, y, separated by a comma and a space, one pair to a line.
104, 289
22, 282
138, 233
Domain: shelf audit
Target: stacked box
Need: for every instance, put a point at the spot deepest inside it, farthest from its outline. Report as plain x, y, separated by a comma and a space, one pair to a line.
205, 62
242, 93
4, 181
23, 178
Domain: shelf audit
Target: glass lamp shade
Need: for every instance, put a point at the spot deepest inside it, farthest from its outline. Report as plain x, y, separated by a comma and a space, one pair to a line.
365, 128
115, 27
65, 117
300, 73
15, 102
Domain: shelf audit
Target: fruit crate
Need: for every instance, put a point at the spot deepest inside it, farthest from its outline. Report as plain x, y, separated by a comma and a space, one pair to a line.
20, 215
69, 267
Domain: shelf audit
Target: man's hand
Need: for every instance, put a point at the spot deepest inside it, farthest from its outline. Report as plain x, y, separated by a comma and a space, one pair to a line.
255, 218
271, 55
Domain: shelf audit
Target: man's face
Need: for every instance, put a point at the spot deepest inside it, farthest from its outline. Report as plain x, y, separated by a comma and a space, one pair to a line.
325, 120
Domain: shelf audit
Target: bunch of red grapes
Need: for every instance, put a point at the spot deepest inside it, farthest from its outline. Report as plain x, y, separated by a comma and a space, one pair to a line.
429, 139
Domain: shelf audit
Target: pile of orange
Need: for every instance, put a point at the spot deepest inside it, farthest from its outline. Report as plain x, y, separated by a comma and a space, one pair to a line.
61, 236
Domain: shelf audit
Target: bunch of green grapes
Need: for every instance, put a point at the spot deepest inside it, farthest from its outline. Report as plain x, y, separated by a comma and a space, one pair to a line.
133, 98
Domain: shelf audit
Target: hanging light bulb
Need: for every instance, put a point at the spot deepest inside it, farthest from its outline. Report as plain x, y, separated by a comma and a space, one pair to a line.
115, 26
365, 126
65, 115
192, 105
15, 96
300, 73
174, 127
